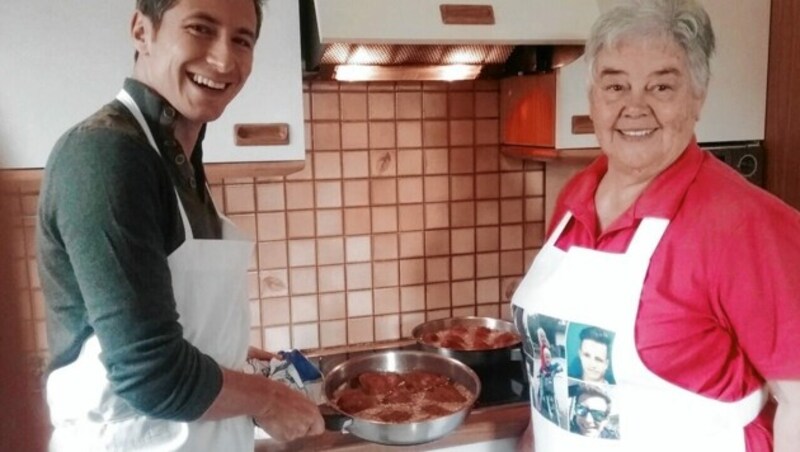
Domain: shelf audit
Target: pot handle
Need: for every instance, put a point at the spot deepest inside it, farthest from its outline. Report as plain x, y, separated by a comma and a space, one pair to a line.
335, 420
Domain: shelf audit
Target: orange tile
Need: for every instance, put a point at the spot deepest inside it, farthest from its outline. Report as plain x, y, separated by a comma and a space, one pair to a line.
412, 298
356, 193
354, 106
412, 244
359, 331
511, 163
277, 338
409, 162
324, 106
275, 311
304, 308
487, 212
437, 242
387, 300
332, 306
534, 235
462, 240
434, 133
463, 293
487, 131
461, 104
409, 105
534, 209
305, 336
246, 223
385, 246
462, 214
330, 250
511, 184
329, 222
272, 255
511, 237
240, 198
269, 197
437, 215
411, 217
487, 239
412, 271
488, 264
436, 161
409, 134
381, 105
300, 223
487, 104
355, 164
382, 135
409, 190
271, 226
384, 191
437, 296
327, 165
437, 188
359, 276
464, 311
326, 136
409, 321
384, 219
274, 283
488, 310
462, 160
487, 290
333, 333
355, 135
328, 194
487, 159
385, 274
358, 248
357, 220
434, 105
462, 187
487, 186
462, 132
534, 183
437, 269
387, 327
383, 163
511, 263
463, 267
511, 211
303, 280
302, 253
299, 195
359, 303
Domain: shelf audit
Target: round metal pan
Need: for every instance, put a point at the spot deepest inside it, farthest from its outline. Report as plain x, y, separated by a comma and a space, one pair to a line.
405, 433
472, 358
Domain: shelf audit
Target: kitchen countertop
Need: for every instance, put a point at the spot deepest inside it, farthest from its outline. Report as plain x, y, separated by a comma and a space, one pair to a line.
482, 424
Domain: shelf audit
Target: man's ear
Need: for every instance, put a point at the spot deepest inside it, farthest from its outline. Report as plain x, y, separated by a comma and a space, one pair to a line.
141, 32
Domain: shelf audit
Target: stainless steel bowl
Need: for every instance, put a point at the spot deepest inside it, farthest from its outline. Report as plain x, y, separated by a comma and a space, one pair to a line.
400, 361
472, 358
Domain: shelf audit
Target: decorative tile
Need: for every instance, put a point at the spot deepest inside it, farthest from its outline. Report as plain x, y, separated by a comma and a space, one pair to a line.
273, 255
304, 309
511, 184
434, 133
354, 106
462, 214
488, 310
534, 209
487, 104
437, 243
332, 306
329, 222
326, 136
488, 239
303, 280
487, 131
360, 330
437, 296
383, 163
488, 290
464, 311
299, 195
300, 223
325, 106
437, 269
385, 246
384, 219
462, 240
356, 193
355, 135
437, 215
487, 159
327, 165
534, 235
412, 298
462, 132
385, 274
355, 164
357, 220
387, 300
269, 197
409, 134
328, 194
305, 336
387, 327
409, 105
462, 187
511, 237
409, 321
412, 244
461, 104
487, 212
463, 293
409, 162
437, 188
302, 253
384, 191
534, 183
511, 263
487, 186
277, 338
381, 105
275, 311
358, 248
333, 333
436, 161
359, 276
246, 224
240, 198
463, 267
411, 217
382, 135
511, 211
488, 264
330, 250
434, 105
271, 226
409, 190
412, 271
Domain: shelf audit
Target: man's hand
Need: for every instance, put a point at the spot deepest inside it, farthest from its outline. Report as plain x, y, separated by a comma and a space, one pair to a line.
259, 354
289, 415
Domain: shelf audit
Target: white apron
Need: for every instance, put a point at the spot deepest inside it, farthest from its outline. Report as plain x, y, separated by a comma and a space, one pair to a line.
209, 281
567, 291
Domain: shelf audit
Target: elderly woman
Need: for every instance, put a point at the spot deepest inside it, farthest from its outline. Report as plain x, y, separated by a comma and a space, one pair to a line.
694, 269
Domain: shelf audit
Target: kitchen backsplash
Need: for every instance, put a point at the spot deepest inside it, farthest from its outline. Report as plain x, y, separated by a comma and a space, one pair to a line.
406, 211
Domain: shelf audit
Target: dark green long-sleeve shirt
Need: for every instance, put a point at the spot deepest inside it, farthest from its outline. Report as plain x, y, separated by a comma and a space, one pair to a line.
108, 219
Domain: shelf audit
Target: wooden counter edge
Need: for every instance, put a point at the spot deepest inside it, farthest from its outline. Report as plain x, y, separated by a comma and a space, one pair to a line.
483, 424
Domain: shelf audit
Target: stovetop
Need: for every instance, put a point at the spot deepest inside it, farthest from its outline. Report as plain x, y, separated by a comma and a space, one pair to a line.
500, 384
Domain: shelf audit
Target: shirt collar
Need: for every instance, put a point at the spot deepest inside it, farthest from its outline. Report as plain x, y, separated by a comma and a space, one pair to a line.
661, 198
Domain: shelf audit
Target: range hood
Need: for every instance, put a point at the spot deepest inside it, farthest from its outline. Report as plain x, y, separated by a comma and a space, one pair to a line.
368, 40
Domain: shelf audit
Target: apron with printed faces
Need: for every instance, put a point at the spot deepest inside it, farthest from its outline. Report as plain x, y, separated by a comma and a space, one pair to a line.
596, 394
209, 281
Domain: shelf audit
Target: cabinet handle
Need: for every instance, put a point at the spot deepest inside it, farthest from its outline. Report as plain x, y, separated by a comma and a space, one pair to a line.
467, 14
261, 134
582, 125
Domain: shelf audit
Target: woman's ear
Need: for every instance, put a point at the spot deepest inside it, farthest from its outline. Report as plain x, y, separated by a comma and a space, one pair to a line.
141, 31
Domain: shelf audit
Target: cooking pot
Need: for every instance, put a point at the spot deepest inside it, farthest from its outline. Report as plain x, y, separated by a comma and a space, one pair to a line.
472, 358
405, 433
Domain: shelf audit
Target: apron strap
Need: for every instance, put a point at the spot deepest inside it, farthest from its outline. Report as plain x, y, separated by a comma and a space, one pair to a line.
647, 237
130, 104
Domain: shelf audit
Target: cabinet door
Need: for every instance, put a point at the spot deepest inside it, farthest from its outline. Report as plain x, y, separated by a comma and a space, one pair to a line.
63, 60
735, 106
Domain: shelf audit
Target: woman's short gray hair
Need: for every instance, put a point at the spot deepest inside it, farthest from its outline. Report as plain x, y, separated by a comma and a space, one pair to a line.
683, 21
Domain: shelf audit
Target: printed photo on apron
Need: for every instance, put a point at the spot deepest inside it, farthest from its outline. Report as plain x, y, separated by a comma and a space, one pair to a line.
572, 376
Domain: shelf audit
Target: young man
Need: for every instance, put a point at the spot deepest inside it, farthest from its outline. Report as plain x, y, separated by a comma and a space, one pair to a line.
144, 280
594, 357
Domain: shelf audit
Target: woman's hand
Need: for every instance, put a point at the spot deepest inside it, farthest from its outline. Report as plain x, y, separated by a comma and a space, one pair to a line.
262, 355
525, 443
289, 414
787, 418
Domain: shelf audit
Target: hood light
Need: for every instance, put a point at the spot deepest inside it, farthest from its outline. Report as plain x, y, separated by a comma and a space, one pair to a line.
368, 73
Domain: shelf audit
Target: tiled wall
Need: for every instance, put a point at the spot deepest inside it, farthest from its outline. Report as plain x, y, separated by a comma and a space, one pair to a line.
406, 211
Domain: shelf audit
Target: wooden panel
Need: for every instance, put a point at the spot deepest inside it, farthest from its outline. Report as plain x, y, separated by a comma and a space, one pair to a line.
783, 103
467, 14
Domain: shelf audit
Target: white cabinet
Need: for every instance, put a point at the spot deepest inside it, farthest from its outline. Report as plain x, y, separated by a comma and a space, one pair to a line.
735, 108
60, 61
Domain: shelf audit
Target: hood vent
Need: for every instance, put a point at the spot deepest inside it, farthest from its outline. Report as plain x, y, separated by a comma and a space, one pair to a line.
359, 40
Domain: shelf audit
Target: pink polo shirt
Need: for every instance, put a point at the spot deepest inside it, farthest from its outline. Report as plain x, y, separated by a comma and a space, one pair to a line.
720, 307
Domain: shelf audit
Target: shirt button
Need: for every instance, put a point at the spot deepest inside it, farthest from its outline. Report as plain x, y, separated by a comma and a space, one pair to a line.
180, 159
169, 112
192, 182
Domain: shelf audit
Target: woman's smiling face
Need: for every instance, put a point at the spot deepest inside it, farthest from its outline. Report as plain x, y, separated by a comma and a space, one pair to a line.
643, 103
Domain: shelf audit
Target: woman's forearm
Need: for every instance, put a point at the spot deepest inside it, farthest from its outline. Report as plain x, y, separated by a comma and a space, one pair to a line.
787, 418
